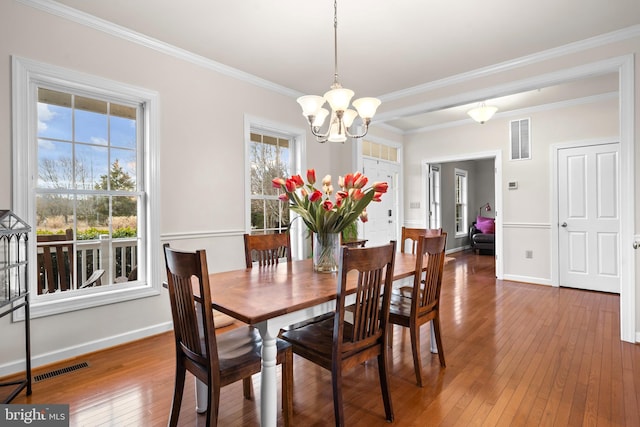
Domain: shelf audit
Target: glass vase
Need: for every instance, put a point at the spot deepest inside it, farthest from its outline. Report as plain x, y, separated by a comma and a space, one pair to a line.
326, 252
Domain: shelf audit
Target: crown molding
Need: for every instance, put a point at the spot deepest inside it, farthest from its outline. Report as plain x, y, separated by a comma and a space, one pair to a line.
555, 77
66, 12
521, 112
99, 24
579, 46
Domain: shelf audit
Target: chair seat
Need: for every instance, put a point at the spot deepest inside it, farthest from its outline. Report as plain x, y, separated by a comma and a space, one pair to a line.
400, 305
317, 336
400, 310
241, 347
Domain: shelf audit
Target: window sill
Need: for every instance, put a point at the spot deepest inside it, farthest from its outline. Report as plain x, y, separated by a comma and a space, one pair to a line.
52, 304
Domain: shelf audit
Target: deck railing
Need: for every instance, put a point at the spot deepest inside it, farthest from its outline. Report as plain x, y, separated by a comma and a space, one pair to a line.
90, 256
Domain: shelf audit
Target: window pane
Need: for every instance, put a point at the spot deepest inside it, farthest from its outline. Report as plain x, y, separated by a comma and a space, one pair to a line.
393, 154
90, 127
55, 164
269, 156
125, 237
366, 148
54, 213
123, 132
123, 170
257, 168
93, 217
124, 207
54, 114
257, 214
91, 164
275, 216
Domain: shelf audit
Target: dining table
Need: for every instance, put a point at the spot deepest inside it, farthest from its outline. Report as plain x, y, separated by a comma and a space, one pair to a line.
273, 297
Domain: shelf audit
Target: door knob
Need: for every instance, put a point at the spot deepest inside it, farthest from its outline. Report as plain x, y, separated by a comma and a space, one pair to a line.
564, 224
636, 245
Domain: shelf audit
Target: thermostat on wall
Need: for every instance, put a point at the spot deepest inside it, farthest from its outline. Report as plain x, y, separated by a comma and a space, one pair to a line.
513, 185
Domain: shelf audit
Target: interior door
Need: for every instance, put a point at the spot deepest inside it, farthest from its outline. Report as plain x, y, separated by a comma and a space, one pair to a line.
383, 216
589, 217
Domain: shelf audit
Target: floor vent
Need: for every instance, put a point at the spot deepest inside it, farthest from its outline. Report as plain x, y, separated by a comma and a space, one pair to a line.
60, 371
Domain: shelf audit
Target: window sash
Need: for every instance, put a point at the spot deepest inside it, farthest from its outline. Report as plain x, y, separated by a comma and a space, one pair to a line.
434, 197
461, 215
27, 76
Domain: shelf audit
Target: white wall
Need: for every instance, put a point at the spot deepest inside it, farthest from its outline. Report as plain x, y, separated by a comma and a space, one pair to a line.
526, 212
202, 164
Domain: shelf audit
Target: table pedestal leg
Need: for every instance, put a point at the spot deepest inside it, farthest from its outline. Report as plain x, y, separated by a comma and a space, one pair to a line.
201, 388
201, 397
268, 384
434, 347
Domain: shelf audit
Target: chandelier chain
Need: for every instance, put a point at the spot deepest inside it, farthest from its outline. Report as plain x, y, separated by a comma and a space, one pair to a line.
336, 83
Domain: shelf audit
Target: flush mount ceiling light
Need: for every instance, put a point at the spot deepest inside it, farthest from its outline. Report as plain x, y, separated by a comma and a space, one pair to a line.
482, 113
342, 116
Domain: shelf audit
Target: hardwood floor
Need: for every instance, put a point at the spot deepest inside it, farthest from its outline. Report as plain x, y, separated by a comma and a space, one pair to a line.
517, 355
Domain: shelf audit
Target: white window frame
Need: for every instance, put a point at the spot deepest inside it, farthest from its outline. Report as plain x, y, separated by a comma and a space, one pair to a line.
464, 191
435, 197
27, 75
297, 137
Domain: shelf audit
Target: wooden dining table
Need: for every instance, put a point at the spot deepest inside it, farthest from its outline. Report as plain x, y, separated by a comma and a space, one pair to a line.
270, 298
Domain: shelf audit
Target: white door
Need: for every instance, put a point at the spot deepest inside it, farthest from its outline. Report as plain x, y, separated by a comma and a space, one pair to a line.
383, 216
589, 217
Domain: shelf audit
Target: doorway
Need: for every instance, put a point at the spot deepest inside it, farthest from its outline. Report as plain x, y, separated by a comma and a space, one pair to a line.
496, 157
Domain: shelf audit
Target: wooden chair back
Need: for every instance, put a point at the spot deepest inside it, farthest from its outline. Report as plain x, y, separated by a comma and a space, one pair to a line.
55, 262
426, 291
357, 243
182, 269
371, 308
266, 249
413, 234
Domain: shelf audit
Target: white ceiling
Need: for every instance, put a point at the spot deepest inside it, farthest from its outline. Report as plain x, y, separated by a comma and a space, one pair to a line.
384, 46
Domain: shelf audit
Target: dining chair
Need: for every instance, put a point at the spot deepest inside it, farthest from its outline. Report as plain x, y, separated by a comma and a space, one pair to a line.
356, 243
341, 343
266, 249
216, 360
413, 234
423, 303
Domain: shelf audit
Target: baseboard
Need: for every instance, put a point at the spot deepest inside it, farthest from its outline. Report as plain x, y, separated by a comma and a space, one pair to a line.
458, 249
527, 279
88, 347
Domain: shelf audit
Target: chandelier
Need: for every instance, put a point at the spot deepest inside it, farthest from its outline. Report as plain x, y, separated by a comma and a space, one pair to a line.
482, 113
342, 117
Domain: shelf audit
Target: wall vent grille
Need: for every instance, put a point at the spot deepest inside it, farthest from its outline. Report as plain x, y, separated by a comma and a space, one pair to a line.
61, 371
520, 134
